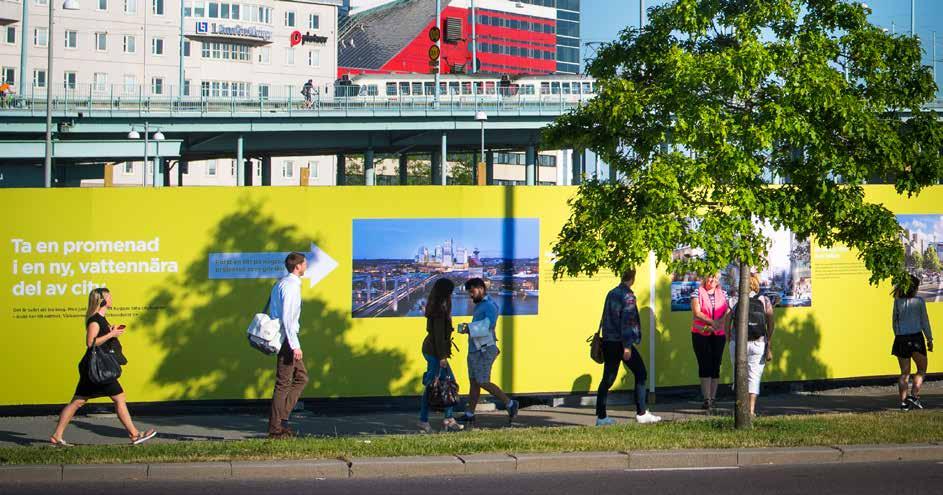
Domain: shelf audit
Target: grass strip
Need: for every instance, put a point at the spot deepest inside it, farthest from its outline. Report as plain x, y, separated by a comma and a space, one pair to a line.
779, 431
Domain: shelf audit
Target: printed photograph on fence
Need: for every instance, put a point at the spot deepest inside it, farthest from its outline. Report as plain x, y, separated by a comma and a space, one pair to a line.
786, 280
923, 250
396, 262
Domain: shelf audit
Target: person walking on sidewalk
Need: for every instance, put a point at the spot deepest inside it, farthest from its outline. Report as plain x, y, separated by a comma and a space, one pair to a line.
911, 323
482, 351
621, 330
100, 333
709, 308
437, 349
306, 91
291, 376
760, 325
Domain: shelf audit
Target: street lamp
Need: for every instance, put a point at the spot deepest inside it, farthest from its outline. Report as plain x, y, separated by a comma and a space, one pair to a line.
47, 163
158, 136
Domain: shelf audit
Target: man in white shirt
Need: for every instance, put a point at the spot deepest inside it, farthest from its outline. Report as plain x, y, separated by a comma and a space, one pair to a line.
291, 376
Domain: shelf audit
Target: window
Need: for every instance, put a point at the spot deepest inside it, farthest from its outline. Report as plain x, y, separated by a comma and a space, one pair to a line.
101, 42
40, 37
186, 48
226, 51
199, 8
313, 170
100, 81
128, 46
289, 19
186, 87
211, 168
39, 78
42, 2
130, 85
265, 55
11, 35
128, 168
157, 85
187, 8
9, 75
157, 46
235, 11
288, 169
314, 58
130, 6
224, 11
314, 21
157, 7
263, 91
213, 12
102, 4
390, 89
289, 56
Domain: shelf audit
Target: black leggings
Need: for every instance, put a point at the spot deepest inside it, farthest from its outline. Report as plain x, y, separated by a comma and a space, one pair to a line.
709, 350
612, 352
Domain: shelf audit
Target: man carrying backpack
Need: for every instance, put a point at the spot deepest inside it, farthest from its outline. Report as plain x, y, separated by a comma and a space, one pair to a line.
759, 332
291, 376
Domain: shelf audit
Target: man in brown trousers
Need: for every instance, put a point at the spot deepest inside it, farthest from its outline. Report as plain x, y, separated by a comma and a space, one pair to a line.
291, 376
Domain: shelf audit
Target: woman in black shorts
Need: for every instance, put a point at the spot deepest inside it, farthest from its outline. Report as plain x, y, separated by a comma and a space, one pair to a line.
99, 332
910, 325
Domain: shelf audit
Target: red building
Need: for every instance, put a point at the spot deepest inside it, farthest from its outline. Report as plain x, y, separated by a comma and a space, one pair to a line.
513, 37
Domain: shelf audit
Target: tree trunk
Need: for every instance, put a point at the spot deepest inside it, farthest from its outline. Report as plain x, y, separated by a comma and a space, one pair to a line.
742, 418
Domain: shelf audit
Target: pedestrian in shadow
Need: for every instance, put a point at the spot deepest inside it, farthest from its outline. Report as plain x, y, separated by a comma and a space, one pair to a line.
911, 323
98, 332
437, 349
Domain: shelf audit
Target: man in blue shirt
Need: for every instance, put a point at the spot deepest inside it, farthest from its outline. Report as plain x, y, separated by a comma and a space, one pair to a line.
291, 376
482, 350
621, 330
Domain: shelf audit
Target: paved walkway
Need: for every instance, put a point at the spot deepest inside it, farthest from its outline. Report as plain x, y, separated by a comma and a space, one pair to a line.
105, 428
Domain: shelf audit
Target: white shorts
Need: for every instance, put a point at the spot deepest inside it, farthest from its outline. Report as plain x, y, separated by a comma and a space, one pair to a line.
756, 361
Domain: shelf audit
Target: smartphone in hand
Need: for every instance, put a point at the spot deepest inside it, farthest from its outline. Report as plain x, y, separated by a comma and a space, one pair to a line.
120, 327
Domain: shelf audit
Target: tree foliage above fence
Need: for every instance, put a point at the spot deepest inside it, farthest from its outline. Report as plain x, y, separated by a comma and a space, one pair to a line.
713, 96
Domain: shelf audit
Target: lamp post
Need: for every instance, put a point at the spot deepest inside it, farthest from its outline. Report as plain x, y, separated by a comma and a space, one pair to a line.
480, 167
47, 163
158, 136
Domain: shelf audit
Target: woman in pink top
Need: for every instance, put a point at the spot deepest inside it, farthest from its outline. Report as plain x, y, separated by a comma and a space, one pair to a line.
709, 307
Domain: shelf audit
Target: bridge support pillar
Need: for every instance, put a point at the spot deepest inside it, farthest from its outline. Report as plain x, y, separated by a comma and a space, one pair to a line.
403, 169
530, 171
183, 167
444, 160
489, 167
240, 163
435, 167
158, 174
341, 172
266, 170
248, 174
369, 173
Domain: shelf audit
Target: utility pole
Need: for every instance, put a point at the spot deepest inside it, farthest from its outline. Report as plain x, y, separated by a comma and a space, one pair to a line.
641, 14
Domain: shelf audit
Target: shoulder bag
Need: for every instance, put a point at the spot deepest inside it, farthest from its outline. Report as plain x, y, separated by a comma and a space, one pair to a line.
103, 366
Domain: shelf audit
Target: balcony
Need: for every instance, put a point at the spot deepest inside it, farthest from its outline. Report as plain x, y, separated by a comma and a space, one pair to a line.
10, 12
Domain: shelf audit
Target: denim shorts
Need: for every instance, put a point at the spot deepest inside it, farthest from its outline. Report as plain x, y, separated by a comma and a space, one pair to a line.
480, 362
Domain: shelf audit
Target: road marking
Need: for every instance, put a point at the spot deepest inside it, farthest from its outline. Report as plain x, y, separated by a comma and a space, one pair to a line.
715, 468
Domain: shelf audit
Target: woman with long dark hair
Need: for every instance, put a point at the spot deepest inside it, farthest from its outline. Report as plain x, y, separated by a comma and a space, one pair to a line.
910, 322
437, 349
99, 332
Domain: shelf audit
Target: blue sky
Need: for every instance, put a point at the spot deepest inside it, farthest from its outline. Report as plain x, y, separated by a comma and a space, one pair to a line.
401, 238
603, 19
929, 226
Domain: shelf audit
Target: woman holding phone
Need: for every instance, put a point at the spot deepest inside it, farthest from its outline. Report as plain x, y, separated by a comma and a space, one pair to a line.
100, 333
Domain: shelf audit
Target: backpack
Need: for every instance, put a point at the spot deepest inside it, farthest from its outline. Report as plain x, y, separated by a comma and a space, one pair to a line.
756, 324
264, 333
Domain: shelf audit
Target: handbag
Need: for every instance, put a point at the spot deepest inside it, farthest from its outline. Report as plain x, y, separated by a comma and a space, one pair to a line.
595, 347
443, 393
264, 333
103, 366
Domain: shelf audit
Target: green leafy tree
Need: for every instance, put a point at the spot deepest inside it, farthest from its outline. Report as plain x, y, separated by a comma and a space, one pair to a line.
915, 260
697, 110
931, 261
462, 168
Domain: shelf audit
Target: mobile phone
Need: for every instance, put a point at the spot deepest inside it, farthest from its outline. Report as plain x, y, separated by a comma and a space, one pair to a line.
120, 327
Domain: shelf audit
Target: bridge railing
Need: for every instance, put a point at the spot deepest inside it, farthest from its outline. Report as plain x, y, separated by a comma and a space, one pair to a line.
92, 100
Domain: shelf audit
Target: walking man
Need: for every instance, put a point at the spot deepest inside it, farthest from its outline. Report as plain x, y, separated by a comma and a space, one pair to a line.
306, 91
621, 330
291, 376
482, 350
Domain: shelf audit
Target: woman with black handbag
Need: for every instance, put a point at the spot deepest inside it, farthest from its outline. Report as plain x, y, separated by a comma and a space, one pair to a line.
99, 370
437, 349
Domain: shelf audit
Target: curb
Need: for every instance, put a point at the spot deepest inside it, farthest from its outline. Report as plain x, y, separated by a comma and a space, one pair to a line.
475, 464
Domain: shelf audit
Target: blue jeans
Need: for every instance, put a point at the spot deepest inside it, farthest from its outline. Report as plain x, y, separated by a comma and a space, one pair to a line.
432, 367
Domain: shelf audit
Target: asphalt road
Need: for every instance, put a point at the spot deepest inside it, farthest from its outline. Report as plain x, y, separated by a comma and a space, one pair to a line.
837, 479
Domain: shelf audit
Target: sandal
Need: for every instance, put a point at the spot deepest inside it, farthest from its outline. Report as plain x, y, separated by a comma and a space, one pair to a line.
58, 442
143, 437
452, 425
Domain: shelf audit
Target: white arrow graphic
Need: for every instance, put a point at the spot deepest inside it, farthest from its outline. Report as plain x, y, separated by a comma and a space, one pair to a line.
268, 265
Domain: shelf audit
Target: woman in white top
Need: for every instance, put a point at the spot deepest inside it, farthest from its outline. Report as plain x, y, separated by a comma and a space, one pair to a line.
759, 348
910, 324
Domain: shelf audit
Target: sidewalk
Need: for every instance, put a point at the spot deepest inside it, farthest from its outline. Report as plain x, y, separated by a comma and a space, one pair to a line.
105, 428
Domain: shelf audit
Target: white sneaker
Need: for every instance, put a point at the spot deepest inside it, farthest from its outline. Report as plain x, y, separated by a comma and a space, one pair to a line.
648, 417
424, 427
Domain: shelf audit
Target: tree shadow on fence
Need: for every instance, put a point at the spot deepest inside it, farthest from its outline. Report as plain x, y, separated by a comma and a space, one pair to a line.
201, 330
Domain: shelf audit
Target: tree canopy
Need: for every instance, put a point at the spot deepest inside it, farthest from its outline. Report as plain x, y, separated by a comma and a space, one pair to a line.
712, 98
